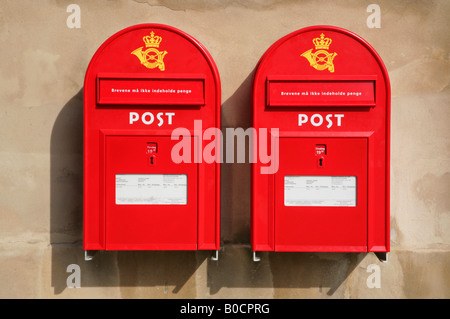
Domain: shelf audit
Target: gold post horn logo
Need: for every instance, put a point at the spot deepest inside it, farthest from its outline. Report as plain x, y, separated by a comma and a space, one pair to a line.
152, 57
321, 59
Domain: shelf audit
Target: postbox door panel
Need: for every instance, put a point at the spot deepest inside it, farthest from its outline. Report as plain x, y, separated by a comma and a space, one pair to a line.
321, 195
151, 201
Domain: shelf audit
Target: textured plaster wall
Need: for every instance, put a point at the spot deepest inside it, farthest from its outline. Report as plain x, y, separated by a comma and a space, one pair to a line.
42, 69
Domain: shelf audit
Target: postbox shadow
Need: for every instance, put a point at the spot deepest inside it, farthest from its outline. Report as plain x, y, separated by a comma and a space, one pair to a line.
66, 190
170, 270
235, 176
281, 274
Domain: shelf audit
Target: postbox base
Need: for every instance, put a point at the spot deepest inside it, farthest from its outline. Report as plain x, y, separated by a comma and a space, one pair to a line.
382, 256
90, 254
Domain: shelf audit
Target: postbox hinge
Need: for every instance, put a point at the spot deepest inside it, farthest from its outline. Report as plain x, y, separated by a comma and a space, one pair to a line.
382, 256
89, 254
215, 257
255, 258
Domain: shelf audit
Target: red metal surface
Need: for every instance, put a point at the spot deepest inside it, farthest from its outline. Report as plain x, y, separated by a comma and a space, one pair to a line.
321, 228
321, 135
141, 84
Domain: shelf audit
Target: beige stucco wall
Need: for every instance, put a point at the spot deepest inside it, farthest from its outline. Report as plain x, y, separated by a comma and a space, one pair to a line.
42, 69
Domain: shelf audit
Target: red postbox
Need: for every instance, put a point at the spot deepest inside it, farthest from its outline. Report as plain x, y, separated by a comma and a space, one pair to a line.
142, 191
328, 93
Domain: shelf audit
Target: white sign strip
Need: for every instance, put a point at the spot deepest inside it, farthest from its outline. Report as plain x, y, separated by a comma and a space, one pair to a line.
334, 191
151, 189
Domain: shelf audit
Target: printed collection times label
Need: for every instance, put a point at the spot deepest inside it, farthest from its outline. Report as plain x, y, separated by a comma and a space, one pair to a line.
151, 189
332, 191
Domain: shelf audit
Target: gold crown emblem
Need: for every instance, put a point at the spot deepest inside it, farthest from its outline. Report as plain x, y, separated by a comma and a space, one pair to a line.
322, 42
152, 41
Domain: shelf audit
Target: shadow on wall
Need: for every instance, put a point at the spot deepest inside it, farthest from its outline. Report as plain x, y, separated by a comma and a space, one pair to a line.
324, 271
178, 269
235, 177
66, 189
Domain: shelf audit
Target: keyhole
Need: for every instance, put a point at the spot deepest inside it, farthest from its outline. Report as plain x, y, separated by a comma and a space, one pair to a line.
320, 161
151, 160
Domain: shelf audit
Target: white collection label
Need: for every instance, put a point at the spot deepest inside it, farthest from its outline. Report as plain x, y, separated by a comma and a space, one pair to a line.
151, 189
333, 191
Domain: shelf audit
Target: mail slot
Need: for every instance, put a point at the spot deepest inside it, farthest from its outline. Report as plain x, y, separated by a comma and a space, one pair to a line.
143, 83
327, 92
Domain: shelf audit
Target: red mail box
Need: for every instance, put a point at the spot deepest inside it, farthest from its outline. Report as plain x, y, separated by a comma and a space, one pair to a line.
141, 84
327, 92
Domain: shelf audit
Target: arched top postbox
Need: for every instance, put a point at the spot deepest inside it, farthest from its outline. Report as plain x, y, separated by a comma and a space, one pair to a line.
141, 84
320, 66
153, 66
327, 91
